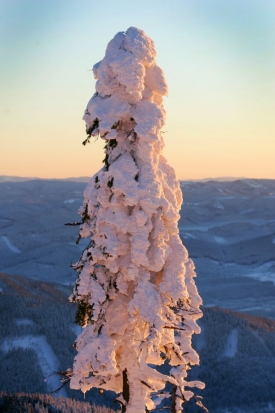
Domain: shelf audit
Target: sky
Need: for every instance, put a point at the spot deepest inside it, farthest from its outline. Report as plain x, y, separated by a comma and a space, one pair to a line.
218, 57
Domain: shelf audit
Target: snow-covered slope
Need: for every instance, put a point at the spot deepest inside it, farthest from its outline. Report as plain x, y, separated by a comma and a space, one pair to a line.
33, 214
234, 348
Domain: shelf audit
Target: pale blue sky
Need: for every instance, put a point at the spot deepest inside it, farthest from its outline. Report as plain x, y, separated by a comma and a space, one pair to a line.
218, 58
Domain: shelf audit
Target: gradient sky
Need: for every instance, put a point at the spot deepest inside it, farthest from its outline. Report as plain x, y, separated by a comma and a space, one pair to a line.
218, 58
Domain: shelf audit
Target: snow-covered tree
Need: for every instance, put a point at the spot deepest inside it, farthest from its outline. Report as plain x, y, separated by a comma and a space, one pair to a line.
137, 301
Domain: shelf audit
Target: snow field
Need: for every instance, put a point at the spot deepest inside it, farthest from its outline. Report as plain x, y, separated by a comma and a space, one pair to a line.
70, 201
220, 240
10, 245
231, 346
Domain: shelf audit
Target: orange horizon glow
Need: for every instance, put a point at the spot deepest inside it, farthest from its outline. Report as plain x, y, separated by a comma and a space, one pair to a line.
218, 58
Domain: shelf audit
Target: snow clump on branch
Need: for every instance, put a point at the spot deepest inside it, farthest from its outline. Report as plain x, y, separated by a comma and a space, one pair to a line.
137, 301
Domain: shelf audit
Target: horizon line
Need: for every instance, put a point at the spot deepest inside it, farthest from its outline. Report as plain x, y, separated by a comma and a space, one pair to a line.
16, 178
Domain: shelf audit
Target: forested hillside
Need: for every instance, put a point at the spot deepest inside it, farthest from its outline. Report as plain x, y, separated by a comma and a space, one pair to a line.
44, 403
37, 331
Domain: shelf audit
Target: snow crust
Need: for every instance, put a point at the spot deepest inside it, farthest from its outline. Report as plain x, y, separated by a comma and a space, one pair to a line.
138, 302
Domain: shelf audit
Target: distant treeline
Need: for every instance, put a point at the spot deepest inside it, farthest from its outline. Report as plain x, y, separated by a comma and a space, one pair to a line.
43, 403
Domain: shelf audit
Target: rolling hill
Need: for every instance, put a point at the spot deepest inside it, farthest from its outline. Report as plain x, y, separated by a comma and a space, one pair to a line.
237, 351
227, 227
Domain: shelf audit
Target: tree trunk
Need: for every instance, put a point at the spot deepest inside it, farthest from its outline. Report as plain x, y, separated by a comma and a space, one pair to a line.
125, 390
173, 404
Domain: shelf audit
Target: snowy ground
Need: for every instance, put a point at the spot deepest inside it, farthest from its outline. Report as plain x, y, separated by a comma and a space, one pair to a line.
231, 345
10, 245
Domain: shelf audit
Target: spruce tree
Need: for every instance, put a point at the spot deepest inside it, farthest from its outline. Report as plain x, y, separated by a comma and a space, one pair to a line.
137, 300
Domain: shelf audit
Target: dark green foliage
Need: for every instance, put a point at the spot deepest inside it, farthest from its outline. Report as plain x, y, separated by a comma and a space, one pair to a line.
84, 312
85, 218
84, 215
90, 130
110, 183
97, 182
110, 145
115, 125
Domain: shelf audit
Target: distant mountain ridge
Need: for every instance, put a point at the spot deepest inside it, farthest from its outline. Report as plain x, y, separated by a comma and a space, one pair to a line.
8, 178
219, 179
14, 178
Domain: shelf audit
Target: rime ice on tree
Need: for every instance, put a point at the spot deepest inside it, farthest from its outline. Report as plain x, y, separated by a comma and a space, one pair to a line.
138, 303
